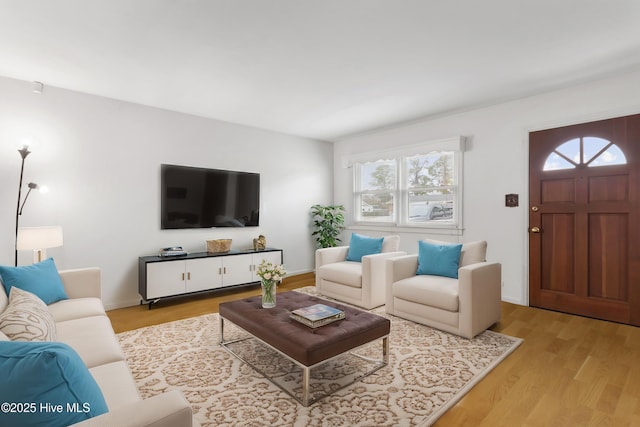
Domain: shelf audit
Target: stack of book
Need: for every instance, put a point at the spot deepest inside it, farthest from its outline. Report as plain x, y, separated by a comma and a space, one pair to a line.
172, 251
317, 315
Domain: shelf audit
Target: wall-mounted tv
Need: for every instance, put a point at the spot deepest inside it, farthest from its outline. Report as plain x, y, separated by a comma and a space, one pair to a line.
203, 198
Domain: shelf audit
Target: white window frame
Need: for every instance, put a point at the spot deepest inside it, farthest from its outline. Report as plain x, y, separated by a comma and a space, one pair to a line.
358, 192
400, 218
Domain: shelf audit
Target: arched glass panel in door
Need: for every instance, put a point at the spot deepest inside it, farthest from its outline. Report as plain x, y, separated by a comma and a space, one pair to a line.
589, 150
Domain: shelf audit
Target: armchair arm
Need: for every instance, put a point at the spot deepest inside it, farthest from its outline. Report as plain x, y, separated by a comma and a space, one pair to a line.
401, 267
81, 282
164, 410
374, 273
480, 294
398, 268
331, 255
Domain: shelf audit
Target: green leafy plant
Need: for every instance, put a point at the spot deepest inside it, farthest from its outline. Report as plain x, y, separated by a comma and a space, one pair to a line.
329, 223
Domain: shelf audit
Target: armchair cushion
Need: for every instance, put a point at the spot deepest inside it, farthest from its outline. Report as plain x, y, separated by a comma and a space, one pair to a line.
438, 259
473, 253
360, 246
348, 273
391, 244
41, 279
432, 291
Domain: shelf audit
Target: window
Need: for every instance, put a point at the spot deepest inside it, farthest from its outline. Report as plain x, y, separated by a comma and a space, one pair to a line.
417, 186
431, 187
376, 194
589, 150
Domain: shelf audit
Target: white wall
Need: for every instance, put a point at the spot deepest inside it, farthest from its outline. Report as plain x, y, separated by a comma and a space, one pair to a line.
101, 159
496, 163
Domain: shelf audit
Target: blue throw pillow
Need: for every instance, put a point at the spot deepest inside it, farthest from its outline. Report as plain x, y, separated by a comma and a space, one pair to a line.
41, 279
49, 385
360, 246
439, 260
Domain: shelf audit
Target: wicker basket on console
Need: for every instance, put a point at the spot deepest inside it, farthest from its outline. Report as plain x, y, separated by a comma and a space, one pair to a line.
219, 245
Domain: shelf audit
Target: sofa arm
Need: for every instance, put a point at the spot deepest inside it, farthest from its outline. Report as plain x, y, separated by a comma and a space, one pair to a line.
81, 282
164, 410
480, 294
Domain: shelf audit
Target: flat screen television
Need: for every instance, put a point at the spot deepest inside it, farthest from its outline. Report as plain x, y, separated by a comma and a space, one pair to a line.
203, 198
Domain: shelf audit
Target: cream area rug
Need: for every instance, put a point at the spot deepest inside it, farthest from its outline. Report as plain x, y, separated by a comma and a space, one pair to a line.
428, 372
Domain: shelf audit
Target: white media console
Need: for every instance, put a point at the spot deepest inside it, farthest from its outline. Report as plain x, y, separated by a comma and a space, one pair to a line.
163, 277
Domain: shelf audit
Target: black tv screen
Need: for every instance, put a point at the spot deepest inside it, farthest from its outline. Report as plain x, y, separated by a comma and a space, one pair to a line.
204, 198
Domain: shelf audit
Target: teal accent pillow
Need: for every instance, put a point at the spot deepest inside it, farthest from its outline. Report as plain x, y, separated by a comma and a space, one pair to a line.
50, 383
439, 260
41, 279
360, 246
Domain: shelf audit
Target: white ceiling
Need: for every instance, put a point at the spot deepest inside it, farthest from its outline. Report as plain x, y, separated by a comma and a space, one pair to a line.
322, 69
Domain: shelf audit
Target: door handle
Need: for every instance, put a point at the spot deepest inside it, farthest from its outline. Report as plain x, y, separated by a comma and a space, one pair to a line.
535, 230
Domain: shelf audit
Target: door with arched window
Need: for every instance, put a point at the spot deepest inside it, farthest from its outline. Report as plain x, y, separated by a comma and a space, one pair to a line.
584, 219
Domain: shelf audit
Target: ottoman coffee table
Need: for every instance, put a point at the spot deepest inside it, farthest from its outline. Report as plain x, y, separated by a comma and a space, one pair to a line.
305, 347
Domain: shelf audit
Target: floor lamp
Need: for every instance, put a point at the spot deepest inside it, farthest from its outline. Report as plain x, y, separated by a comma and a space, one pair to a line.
24, 152
39, 239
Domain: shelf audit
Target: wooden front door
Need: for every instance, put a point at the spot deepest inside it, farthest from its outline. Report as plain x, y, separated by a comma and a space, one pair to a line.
584, 219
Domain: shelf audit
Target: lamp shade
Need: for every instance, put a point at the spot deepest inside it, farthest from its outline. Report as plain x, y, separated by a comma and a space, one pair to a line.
39, 237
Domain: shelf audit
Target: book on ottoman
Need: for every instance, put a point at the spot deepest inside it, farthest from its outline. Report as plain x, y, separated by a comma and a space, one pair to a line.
317, 315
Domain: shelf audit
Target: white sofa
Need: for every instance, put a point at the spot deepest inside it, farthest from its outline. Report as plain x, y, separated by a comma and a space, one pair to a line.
81, 322
357, 283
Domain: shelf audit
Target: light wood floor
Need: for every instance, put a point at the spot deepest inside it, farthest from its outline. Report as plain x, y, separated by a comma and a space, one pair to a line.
126, 319
569, 371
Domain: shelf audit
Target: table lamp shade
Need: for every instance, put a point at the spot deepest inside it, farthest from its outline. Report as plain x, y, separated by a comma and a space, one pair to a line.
39, 239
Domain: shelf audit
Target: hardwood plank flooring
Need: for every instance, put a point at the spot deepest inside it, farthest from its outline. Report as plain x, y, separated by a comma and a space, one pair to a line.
126, 319
569, 371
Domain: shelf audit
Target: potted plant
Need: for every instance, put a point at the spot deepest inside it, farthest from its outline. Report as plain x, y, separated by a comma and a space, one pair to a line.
329, 223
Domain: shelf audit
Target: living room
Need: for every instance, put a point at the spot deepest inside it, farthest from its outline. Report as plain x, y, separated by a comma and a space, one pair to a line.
100, 158
100, 155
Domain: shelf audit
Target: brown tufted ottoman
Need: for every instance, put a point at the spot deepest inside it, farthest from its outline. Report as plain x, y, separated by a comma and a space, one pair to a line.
305, 346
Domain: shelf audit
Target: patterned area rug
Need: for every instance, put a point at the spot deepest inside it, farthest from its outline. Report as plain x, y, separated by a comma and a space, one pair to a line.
428, 372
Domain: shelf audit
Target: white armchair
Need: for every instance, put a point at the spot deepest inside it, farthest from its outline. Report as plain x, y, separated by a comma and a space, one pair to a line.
357, 283
464, 306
